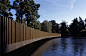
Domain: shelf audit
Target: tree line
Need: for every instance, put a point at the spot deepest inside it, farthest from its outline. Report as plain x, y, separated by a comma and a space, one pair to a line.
76, 28
29, 9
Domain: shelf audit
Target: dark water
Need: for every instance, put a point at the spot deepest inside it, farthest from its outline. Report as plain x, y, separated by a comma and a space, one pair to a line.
62, 47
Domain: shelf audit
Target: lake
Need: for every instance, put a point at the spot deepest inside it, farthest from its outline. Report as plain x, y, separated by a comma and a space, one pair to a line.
62, 47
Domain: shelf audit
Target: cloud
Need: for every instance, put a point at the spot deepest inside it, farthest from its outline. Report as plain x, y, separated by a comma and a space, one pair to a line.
51, 1
72, 4
57, 3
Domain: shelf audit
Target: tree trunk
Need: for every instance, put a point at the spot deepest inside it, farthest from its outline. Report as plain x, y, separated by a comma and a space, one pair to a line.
28, 22
21, 19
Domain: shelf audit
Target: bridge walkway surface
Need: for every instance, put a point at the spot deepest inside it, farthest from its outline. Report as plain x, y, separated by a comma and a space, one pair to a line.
30, 46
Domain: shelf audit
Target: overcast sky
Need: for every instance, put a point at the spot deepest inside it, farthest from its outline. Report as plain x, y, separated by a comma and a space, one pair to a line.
59, 10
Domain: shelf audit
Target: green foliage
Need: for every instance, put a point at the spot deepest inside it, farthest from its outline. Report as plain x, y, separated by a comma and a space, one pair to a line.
5, 7
76, 26
64, 30
38, 25
55, 27
83, 30
29, 8
31, 11
18, 19
35, 24
46, 26
18, 5
81, 24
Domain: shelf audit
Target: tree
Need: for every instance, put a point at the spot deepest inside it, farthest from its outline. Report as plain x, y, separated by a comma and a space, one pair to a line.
18, 5
74, 27
50, 27
38, 25
31, 11
24, 22
5, 7
27, 8
81, 24
35, 24
85, 23
46, 26
64, 30
55, 26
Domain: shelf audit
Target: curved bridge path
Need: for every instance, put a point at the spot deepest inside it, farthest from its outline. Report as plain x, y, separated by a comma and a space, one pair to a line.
26, 48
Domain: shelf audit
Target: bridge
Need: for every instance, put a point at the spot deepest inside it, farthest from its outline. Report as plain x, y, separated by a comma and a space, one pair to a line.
14, 35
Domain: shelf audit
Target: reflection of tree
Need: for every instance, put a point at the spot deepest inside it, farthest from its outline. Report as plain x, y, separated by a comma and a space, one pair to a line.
78, 48
82, 47
53, 47
63, 44
81, 50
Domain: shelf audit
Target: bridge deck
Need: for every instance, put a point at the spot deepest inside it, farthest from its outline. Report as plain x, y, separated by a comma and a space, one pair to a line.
17, 45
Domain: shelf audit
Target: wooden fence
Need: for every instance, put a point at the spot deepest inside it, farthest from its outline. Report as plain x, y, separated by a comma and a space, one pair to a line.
13, 32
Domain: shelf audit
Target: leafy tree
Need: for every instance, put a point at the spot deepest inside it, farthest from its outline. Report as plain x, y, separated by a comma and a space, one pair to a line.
35, 24
38, 25
27, 7
81, 24
18, 19
85, 23
24, 22
5, 7
55, 26
46, 26
31, 11
50, 27
18, 5
74, 27
81, 27
64, 30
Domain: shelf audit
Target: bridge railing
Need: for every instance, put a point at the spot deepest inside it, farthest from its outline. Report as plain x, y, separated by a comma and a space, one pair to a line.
14, 32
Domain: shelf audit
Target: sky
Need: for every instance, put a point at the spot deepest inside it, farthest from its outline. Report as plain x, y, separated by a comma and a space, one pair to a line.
59, 10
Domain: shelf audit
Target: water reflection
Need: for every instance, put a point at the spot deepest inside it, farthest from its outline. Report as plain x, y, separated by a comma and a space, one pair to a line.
63, 47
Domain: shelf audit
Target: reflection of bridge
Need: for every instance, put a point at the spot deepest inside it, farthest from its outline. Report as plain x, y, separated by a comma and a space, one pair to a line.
14, 35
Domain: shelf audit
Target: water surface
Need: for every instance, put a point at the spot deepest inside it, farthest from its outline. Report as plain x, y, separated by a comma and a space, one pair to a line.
62, 47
